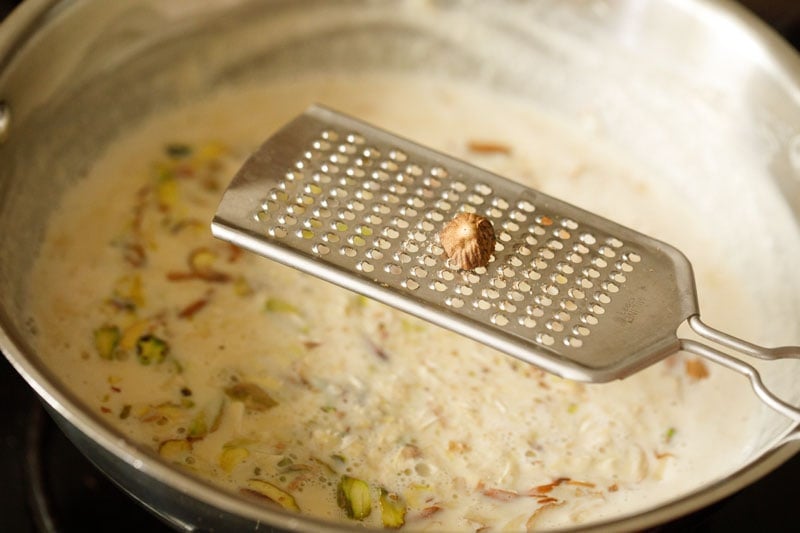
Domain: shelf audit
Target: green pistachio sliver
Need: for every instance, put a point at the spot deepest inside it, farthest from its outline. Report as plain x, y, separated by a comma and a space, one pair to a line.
151, 349
327, 467
174, 449
167, 192
412, 326
353, 496
356, 304
242, 287
254, 397
217, 420
277, 305
106, 340
393, 509
231, 457
273, 493
198, 427
177, 367
178, 150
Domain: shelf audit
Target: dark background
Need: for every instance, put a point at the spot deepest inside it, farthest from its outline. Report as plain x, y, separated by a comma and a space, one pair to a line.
41, 471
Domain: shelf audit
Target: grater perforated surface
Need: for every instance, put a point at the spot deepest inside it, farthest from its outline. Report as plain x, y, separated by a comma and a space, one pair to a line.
571, 292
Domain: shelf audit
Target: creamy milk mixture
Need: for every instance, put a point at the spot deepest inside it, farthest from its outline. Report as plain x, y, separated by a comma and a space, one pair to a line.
300, 394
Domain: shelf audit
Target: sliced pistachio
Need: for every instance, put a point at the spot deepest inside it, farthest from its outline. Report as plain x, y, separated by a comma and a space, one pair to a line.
412, 326
151, 349
201, 263
356, 304
417, 495
167, 192
217, 420
177, 150
210, 151
277, 305
174, 449
232, 457
106, 340
160, 414
202, 259
131, 334
326, 466
242, 287
254, 397
127, 292
273, 493
393, 509
353, 496
198, 427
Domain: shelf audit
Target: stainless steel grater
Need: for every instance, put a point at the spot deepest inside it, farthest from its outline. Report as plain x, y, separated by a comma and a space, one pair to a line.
566, 290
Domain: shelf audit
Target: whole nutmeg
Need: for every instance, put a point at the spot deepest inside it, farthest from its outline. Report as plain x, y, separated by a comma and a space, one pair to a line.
468, 240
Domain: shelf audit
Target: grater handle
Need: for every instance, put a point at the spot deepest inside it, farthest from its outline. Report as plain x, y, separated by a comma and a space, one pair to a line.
753, 350
734, 363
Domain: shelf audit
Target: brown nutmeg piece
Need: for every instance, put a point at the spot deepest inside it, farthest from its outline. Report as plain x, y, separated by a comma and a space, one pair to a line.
468, 240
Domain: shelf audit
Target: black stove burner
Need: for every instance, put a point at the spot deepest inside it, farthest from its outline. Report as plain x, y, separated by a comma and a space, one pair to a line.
65, 490
47, 485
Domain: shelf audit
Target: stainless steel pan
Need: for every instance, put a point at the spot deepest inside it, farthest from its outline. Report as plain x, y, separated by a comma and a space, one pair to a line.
699, 89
